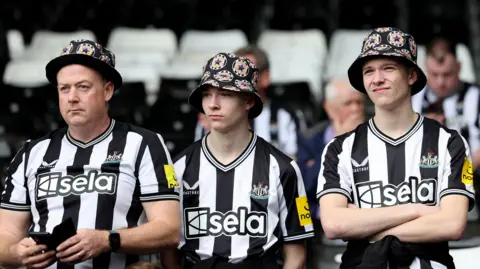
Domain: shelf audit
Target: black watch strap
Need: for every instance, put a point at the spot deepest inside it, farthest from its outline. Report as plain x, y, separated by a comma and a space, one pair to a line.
114, 239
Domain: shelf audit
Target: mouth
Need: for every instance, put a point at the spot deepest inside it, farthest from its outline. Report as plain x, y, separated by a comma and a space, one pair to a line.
75, 110
380, 90
215, 117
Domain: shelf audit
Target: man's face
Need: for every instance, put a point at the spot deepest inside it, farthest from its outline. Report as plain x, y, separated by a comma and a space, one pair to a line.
387, 82
224, 109
82, 94
443, 77
347, 103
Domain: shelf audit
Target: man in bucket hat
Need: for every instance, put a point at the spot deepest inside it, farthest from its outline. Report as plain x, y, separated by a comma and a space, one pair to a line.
399, 186
243, 199
113, 182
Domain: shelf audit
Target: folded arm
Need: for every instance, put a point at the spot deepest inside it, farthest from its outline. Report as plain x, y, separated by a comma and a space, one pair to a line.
161, 231
342, 222
446, 225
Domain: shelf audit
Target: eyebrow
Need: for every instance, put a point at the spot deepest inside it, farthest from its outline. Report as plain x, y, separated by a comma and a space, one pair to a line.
382, 65
81, 81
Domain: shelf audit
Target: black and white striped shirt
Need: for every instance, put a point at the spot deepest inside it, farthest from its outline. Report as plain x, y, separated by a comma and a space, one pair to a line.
242, 209
373, 170
462, 111
100, 184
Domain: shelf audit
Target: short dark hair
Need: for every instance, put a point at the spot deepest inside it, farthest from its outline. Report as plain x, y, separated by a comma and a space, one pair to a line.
441, 46
259, 54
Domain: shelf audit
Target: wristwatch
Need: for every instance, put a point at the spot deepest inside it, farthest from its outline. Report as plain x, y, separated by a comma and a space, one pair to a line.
114, 239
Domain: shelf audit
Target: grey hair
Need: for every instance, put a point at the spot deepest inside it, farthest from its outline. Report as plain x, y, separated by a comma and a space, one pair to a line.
331, 89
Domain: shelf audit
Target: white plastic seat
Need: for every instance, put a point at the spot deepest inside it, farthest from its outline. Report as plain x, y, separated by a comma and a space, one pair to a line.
312, 40
154, 47
344, 48
212, 42
25, 74
47, 45
16, 43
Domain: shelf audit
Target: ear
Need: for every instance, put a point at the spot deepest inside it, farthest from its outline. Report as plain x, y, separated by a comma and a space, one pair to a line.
328, 107
250, 102
412, 76
109, 89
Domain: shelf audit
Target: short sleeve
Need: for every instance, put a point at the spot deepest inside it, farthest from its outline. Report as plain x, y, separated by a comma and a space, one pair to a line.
333, 176
295, 219
156, 174
15, 195
458, 173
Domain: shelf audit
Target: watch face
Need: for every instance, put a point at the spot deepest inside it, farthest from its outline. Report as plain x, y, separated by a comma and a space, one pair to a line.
114, 241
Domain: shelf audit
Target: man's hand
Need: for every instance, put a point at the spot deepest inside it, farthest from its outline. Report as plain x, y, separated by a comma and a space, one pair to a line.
32, 255
85, 245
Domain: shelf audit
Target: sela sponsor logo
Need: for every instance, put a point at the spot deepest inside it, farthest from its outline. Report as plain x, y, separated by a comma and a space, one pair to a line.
200, 222
374, 194
431, 161
360, 167
54, 184
190, 190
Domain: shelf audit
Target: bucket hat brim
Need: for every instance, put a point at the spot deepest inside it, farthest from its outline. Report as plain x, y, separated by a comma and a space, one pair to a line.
195, 98
109, 73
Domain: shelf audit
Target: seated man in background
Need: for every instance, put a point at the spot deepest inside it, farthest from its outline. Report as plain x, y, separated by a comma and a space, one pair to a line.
276, 124
345, 108
448, 99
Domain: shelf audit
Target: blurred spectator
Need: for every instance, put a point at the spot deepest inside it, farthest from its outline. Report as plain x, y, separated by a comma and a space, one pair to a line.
449, 100
345, 108
276, 124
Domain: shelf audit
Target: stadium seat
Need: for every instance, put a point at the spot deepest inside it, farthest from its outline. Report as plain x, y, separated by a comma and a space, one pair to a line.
312, 40
128, 104
16, 43
212, 42
32, 101
344, 48
296, 56
152, 47
47, 45
172, 116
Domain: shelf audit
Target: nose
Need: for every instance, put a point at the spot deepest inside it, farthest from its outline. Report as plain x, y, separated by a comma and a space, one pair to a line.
213, 103
72, 96
378, 77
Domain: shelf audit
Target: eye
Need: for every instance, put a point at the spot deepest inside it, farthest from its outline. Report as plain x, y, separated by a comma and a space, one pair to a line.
367, 71
63, 89
225, 94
